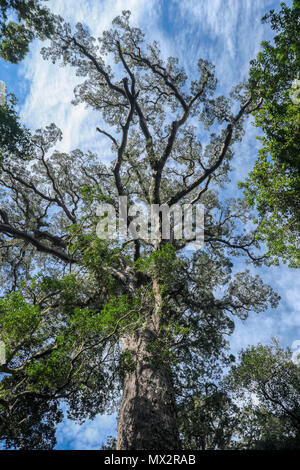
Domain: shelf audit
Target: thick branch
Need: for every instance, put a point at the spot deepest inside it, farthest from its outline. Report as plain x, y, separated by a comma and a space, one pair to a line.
8, 229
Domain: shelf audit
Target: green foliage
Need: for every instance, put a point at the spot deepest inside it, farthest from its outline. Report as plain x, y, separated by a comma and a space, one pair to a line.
31, 425
273, 186
53, 351
14, 137
31, 20
121, 310
253, 406
110, 443
126, 364
18, 319
94, 193
160, 264
208, 421
268, 374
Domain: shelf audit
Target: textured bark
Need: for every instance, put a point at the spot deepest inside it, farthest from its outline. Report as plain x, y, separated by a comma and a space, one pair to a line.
147, 419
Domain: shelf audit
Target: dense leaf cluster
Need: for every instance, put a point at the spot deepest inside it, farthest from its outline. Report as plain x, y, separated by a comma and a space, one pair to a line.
20, 22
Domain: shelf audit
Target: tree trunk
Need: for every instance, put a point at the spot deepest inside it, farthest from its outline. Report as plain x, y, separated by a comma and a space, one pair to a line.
147, 419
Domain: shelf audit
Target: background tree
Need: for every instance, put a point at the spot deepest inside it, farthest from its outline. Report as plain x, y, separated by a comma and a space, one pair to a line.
20, 22
273, 186
254, 406
209, 420
14, 137
110, 444
138, 315
268, 377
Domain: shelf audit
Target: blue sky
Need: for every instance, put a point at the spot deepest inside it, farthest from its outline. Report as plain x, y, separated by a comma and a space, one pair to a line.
226, 32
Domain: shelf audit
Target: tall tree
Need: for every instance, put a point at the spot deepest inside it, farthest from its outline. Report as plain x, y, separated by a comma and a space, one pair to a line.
138, 315
273, 186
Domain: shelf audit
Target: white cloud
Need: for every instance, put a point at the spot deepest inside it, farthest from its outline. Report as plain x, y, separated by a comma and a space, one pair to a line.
88, 436
282, 322
226, 33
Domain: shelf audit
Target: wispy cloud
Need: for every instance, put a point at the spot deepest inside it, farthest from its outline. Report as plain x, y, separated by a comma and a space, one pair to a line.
88, 436
226, 33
